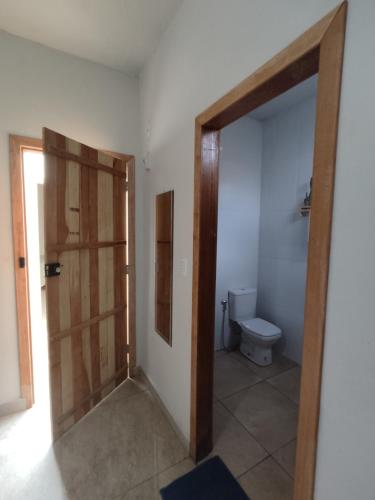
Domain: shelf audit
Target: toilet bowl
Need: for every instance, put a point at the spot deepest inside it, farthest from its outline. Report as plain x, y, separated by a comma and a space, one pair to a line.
257, 339
257, 335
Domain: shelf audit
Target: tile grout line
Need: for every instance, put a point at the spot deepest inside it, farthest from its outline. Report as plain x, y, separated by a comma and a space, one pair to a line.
245, 361
255, 439
269, 454
258, 382
239, 390
282, 393
149, 478
248, 432
272, 455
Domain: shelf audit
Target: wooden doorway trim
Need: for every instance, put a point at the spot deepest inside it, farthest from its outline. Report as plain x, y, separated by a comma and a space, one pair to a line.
319, 50
17, 145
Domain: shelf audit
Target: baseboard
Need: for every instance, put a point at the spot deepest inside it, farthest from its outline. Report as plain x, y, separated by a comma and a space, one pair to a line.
12, 407
169, 417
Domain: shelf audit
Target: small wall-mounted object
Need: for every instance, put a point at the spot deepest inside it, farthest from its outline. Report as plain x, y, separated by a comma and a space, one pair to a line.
305, 211
306, 207
164, 265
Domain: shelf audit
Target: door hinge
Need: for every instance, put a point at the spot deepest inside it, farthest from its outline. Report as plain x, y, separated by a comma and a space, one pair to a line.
126, 269
22, 262
127, 348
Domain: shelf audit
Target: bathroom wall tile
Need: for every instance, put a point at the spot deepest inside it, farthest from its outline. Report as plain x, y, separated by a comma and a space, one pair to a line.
268, 415
267, 481
286, 457
230, 376
237, 448
287, 166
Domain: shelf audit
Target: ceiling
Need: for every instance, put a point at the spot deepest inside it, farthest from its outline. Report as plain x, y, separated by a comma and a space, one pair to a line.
120, 34
305, 89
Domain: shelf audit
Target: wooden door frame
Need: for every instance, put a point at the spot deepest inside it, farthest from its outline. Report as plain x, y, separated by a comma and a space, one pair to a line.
17, 145
319, 50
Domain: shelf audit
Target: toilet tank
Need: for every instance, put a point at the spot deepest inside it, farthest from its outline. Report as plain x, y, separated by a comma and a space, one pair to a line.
242, 303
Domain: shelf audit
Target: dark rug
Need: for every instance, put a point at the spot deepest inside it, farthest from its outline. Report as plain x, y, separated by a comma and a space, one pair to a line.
210, 480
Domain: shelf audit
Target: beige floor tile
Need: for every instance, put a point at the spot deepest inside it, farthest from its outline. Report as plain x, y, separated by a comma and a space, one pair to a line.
286, 457
128, 388
288, 383
231, 376
150, 489
238, 450
176, 471
267, 481
120, 444
268, 415
279, 365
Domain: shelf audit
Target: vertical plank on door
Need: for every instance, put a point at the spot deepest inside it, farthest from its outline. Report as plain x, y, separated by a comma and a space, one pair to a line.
94, 276
106, 274
85, 278
53, 183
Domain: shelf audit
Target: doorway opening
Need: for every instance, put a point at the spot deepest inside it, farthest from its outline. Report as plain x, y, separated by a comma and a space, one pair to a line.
318, 51
265, 170
33, 170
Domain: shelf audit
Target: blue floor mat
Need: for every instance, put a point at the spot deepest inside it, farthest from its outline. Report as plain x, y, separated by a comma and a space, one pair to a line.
210, 480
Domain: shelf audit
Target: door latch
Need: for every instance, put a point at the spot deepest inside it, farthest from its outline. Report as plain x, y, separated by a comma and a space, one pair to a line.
52, 269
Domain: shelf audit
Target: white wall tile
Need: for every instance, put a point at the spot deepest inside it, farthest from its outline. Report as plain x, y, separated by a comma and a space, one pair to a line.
288, 139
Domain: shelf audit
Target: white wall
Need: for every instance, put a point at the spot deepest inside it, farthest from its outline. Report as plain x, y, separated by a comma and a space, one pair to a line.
287, 158
210, 47
42, 87
238, 216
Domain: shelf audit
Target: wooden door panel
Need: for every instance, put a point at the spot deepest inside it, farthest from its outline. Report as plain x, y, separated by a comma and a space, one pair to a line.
85, 207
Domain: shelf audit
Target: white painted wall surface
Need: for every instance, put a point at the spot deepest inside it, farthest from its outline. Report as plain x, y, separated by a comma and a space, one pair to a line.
209, 48
42, 87
238, 216
287, 160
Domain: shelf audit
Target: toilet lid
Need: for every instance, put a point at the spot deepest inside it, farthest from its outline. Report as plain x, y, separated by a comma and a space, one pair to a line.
261, 327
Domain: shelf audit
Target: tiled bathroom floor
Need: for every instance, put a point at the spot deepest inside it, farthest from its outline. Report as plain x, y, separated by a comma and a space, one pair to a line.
255, 423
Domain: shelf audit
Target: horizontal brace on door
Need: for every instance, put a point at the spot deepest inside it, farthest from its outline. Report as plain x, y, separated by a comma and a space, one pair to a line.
92, 395
66, 155
86, 324
67, 247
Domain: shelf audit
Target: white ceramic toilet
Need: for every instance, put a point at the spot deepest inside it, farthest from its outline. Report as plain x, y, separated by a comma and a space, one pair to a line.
257, 335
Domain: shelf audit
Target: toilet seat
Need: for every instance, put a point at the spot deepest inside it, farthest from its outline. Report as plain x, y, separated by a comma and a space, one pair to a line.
261, 329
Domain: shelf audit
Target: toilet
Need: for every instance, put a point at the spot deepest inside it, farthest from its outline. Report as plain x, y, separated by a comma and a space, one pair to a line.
257, 334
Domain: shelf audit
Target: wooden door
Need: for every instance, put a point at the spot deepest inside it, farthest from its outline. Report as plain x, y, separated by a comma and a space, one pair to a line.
86, 240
